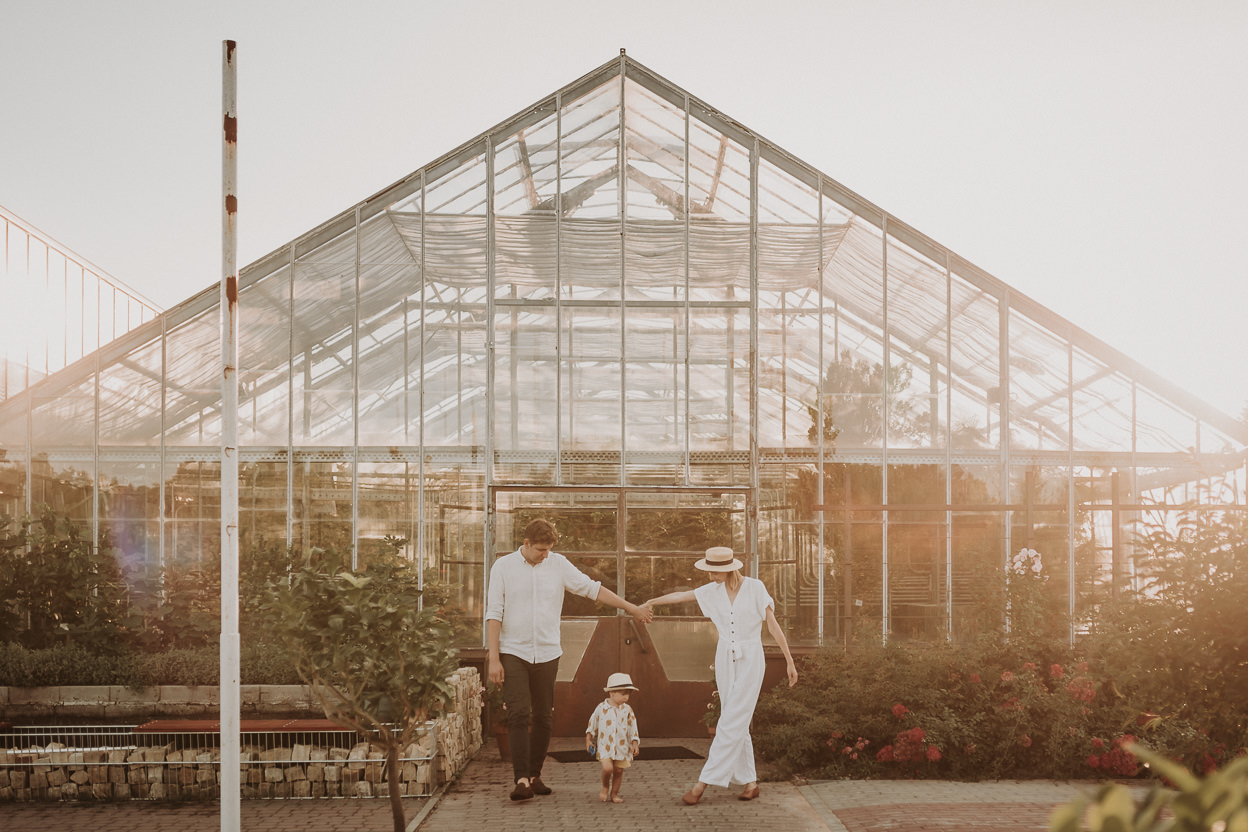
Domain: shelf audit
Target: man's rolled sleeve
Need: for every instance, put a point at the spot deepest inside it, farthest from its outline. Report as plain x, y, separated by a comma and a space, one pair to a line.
577, 582
496, 595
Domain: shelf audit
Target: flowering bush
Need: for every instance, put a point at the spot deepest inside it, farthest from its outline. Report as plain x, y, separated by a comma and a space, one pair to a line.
980, 712
1167, 666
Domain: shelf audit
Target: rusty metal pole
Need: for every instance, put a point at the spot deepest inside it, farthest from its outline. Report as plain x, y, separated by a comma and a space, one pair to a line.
230, 688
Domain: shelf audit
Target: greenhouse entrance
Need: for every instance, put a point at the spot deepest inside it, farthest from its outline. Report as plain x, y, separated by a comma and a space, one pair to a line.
640, 543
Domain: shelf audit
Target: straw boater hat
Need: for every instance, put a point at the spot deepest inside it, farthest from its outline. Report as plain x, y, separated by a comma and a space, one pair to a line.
619, 681
718, 559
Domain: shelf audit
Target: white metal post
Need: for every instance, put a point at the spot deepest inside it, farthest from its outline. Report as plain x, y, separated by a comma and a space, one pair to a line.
230, 689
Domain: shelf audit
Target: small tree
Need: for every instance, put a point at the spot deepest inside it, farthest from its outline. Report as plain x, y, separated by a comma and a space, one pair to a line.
375, 660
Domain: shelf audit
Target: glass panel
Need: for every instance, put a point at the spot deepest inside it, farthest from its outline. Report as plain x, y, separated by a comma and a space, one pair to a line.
452, 545
193, 381
322, 505
719, 261
261, 505
525, 172
1103, 406
590, 242
1093, 571
63, 462
976, 368
1039, 387
719, 171
525, 385
788, 547
1161, 427
192, 512
387, 496
591, 350
129, 496
462, 191
322, 345
918, 342
13, 462
590, 163
384, 321
454, 372
264, 369
1042, 526
683, 646
719, 380
655, 380
978, 585
130, 398
916, 565
655, 154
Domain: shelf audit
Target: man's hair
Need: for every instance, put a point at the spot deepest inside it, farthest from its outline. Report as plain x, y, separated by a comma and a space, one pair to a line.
541, 532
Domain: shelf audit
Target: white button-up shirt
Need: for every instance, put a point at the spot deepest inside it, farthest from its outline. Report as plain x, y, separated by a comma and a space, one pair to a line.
528, 600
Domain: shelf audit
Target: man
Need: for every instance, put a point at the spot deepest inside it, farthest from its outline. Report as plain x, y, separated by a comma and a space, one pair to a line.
523, 608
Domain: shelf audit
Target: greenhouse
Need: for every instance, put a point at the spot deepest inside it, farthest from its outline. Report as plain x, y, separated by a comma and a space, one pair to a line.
622, 310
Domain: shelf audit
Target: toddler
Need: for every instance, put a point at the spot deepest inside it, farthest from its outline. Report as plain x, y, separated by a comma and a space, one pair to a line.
612, 735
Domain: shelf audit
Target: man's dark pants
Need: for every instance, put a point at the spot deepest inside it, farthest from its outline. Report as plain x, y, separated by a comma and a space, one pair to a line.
529, 691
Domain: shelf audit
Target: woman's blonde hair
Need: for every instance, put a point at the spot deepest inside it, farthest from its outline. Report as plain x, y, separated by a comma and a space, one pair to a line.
733, 580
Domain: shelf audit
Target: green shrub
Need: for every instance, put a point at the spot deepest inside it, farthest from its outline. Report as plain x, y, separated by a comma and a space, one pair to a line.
984, 711
67, 664
259, 664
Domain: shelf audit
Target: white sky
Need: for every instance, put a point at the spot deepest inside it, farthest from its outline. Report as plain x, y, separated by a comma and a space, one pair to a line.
1091, 154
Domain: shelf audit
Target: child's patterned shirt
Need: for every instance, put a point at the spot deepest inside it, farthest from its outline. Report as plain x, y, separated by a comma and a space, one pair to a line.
614, 729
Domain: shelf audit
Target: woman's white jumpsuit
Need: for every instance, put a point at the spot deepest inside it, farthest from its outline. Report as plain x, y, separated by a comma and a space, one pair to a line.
738, 675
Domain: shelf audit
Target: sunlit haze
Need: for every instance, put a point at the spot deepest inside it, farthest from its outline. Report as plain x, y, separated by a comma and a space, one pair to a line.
1088, 154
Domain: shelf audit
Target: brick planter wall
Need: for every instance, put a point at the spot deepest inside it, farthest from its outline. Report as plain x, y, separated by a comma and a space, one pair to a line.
174, 768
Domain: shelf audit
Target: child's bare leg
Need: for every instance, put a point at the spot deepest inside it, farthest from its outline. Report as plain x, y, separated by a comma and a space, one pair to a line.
607, 768
617, 777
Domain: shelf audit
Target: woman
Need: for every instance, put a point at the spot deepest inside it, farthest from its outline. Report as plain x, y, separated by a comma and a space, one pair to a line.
737, 606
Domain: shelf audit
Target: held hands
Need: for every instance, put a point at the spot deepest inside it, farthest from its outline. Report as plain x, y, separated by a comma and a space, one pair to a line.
643, 613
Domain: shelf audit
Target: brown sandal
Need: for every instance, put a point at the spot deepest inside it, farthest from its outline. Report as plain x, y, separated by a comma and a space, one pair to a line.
749, 794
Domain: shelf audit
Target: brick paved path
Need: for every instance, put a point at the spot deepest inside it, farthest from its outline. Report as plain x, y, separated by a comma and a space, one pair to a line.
933, 805
651, 792
342, 815
478, 802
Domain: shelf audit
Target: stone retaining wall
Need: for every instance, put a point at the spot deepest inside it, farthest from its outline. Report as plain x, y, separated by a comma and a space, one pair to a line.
175, 769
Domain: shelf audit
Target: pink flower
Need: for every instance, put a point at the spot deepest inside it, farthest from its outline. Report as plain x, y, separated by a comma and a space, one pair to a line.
1029, 666
1007, 676
933, 753
1094, 761
1055, 670
1098, 743
899, 711
1026, 741
974, 678
885, 754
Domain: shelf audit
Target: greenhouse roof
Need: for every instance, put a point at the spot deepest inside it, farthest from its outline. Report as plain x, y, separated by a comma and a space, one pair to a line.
620, 190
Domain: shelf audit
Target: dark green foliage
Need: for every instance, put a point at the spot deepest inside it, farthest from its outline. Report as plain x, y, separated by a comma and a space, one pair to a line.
375, 658
1180, 647
260, 664
57, 588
